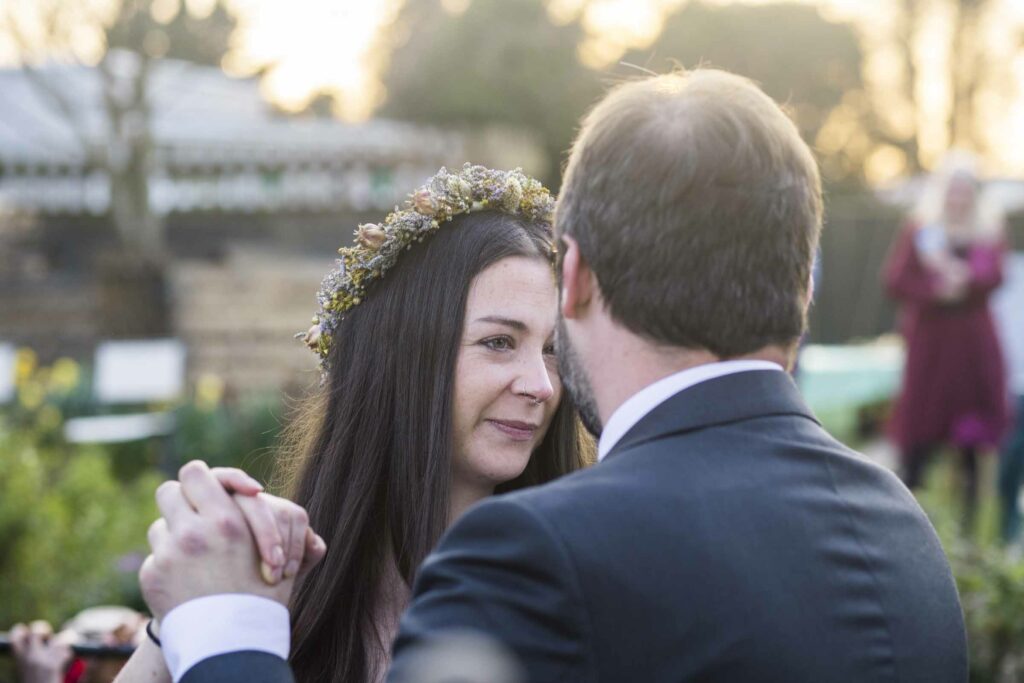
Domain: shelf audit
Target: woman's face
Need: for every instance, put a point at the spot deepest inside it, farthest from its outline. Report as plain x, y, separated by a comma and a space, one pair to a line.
506, 382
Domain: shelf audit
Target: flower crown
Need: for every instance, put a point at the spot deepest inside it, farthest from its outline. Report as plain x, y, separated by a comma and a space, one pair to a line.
377, 247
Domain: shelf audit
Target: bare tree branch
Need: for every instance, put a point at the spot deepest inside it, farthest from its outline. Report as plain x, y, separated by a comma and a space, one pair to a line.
908, 32
48, 91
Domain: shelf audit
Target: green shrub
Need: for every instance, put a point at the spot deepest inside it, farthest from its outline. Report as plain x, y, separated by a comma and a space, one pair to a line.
991, 585
73, 518
241, 434
989, 578
72, 534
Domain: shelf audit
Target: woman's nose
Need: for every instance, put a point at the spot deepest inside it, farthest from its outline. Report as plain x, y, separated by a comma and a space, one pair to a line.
535, 380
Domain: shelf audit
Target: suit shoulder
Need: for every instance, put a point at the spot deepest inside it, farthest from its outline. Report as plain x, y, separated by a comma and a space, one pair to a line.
566, 492
586, 499
513, 513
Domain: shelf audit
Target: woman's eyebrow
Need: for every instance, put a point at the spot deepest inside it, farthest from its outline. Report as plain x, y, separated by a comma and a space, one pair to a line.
517, 325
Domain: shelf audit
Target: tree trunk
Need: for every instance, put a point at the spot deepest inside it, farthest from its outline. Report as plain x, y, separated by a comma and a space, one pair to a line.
133, 296
133, 291
129, 152
966, 74
908, 33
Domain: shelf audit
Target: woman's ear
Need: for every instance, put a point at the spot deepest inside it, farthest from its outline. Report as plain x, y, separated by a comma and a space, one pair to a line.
577, 280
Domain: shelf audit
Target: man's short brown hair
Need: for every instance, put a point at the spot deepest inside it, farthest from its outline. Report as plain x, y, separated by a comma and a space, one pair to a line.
698, 207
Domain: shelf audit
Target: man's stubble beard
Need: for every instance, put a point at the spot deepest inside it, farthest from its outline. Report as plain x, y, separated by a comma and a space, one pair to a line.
575, 380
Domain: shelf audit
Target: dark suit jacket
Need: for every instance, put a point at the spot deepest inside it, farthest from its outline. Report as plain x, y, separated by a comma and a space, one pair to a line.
248, 666
726, 537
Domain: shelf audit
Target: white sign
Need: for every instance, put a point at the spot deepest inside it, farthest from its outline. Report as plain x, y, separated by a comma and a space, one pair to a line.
139, 371
118, 428
7, 357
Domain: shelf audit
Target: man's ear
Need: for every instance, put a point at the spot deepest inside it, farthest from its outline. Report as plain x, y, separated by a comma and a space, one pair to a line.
577, 280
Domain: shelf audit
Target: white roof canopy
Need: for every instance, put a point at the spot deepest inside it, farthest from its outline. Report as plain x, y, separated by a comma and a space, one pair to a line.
199, 115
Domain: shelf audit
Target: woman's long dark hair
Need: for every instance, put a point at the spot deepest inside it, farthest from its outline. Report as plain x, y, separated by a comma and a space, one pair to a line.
375, 470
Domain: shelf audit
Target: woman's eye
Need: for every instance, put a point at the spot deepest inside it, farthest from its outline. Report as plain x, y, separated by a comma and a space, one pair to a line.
498, 343
549, 350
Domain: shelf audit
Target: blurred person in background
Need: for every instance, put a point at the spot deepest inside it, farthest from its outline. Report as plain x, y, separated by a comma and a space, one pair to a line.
42, 657
1011, 472
1010, 313
440, 388
39, 655
942, 269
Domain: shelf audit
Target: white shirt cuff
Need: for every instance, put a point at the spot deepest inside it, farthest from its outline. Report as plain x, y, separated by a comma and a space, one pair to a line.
217, 624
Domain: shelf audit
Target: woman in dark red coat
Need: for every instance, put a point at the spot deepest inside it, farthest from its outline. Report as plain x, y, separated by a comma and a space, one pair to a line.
943, 267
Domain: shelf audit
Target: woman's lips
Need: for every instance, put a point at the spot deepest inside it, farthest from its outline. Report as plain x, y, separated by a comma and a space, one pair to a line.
517, 431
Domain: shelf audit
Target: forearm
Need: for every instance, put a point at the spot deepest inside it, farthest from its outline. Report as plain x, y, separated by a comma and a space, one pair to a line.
986, 272
146, 665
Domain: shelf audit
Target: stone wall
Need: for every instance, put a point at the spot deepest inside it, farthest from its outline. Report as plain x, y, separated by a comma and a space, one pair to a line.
238, 317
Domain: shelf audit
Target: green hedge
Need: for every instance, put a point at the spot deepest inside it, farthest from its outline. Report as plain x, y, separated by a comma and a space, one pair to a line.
73, 518
989, 577
72, 534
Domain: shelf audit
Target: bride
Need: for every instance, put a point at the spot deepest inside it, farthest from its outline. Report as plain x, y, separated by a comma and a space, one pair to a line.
435, 336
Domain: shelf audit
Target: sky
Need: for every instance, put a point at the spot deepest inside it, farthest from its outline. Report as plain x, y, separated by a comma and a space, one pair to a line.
317, 45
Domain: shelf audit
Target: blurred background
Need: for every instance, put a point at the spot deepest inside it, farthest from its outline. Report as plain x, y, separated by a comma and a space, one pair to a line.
176, 175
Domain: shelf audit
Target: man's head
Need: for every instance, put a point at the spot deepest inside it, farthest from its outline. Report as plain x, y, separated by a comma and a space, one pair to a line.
696, 207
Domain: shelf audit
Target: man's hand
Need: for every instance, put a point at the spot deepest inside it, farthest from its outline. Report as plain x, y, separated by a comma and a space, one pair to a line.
202, 545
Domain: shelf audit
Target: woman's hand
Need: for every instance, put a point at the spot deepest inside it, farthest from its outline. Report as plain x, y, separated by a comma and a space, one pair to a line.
286, 544
953, 281
40, 656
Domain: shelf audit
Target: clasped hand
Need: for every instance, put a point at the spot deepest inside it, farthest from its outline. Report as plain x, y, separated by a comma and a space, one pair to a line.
220, 533
952, 276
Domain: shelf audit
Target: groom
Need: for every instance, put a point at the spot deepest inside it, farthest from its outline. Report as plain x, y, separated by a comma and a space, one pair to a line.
724, 536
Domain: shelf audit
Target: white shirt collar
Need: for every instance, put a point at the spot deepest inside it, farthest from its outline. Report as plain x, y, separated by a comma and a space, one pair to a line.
637, 406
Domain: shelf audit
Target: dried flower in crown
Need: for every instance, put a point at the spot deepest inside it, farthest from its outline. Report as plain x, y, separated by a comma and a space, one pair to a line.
423, 202
377, 246
371, 236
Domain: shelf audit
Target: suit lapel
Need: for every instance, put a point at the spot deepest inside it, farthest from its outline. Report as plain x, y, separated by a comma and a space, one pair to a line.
735, 397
